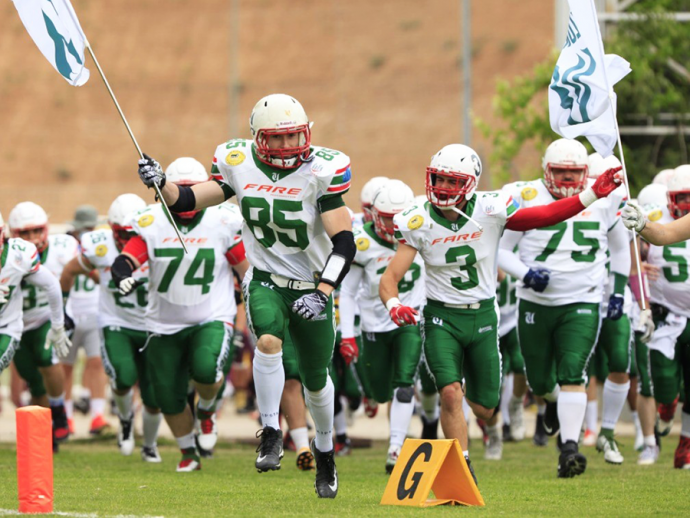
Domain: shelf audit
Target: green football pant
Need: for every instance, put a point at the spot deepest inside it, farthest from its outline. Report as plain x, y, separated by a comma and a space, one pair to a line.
666, 374
31, 355
463, 343
425, 379
557, 343
391, 360
123, 352
644, 375
511, 354
270, 312
615, 340
345, 380
290, 359
8, 348
198, 351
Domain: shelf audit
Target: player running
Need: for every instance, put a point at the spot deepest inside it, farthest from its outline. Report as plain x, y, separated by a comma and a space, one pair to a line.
457, 233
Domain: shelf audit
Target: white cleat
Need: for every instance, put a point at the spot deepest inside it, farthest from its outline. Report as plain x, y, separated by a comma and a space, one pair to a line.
648, 455
494, 447
516, 412
639, 440
150, 454
208, 433
393, 454
610, 449
125, 436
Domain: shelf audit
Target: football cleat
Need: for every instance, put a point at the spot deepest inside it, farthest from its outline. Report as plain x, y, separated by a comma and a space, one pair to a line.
343, 447
540, 438
551, 424
305, 459
208, 431
70, 425
517, 419
494, 447
326, 483
270, 449
204, 454
150, 454
609, 447
61, 429
393, 454
648, 455
681, 459
371, 407
98, 425
664, 417
571, 462
429, 429
590, 438
505, 429
125, 436
190, 461
469, 465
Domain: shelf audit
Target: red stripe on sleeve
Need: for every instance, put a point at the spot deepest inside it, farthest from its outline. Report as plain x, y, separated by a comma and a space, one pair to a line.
136, 247
236, 254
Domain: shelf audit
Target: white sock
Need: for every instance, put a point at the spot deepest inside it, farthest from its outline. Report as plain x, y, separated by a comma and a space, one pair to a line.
300, 436
541, 410
206, 404
124, 404
401, 413
466, 409
430, 405
466, 454
97, 406
320, 406
186, 441
552, 396
56, 401
69, 408
615, 395
636, 421
592, 415
571, 414
685, 425
151, 424
269, 380
650, 440
340, 422
506, 395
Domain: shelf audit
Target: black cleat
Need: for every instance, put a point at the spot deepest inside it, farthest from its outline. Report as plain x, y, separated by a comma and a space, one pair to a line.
540, 438
469, 465
326, 483
507, 436
551, 423
60, 424
429, 429
270, 449
571, 462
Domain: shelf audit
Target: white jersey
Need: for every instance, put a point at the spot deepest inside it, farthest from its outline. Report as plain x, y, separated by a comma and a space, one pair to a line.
100, 249
194, 288
83, 298
507, 304
19, 259
373, 256
672, 288
573, 250
61, 249
460, 259
283, 233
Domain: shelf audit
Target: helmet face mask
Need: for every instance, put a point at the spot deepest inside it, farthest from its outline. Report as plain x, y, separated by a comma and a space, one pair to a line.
566, 166
392, 198
29, 221
679, 192
452, 176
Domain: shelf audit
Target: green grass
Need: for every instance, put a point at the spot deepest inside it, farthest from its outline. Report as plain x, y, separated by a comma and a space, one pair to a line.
95, 478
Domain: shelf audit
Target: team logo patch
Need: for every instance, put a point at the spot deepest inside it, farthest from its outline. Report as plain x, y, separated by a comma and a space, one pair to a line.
235, 158
528, 193
145, 220
655, 215
101, 250
362, 244
415, 222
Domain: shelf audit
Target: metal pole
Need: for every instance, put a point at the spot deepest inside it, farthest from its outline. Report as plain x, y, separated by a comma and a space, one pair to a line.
466, 28
234, 67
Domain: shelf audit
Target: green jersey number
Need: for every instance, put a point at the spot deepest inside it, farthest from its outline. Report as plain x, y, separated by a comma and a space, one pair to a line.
84, 283
579, 238
506, 292
681, 262
203, 262
452, 256
8, 297
327, 154
267, 228
31, 297
407, 282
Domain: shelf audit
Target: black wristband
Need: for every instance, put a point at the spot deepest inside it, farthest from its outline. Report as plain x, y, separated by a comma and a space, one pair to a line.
122, 268
186, 201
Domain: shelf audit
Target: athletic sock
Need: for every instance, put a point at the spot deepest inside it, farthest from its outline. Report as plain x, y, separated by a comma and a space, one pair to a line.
269, 380
615, 395
300, 436
151, 424
340, 422
591, 415
685, 425
97, 407
124, 404
56, 401
186, 441
506, 396
650, 440
552, 396
541, 410
320, 406
466, 409
401, 413
430, 406
571, 414
69, 408
206, 404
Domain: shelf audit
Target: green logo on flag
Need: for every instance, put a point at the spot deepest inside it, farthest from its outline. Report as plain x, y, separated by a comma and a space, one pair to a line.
571, 88
60, 45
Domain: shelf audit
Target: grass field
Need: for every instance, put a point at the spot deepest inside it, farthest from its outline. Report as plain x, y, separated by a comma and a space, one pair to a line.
93, 478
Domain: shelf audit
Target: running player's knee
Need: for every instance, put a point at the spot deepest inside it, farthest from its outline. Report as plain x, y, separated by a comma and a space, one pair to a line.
269, 344
451, 395
404, 394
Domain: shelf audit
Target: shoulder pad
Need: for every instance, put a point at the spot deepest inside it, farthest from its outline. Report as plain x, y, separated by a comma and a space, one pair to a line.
328, 162
25, 255
653, 212
496, 202
231, 153
413, 218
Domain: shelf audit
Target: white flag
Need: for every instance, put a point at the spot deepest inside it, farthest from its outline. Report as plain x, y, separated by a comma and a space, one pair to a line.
54, 27
579, 102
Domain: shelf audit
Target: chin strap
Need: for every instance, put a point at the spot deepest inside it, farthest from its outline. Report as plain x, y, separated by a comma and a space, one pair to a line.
455, 209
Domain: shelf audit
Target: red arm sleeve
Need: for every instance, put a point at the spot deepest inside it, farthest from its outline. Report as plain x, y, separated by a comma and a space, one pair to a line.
545, 215
236, 254
137, 248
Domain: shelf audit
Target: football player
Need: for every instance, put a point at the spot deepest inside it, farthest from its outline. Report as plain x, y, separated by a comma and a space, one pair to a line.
191, 305
366, 200
392, 352
457, 234
122, 324
298, 235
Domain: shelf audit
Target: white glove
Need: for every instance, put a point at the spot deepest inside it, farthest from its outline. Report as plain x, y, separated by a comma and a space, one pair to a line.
633, 217
128, 285
57, 337
4, 292
646, 325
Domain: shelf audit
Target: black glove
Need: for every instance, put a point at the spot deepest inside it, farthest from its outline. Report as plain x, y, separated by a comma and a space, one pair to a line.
69, 325
151, 172
537, 279
615, 309
121, 271
310, 306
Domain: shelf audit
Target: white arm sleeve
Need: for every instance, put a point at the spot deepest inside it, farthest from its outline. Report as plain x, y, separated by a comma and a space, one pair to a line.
509, 261
347, 305
619, 246
47, 281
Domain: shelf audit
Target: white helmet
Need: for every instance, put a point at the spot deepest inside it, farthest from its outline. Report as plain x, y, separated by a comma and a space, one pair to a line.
186, 171
653, 194
118, 216
679, 184
663, 176
393, 197
565, 154
280, 114
598, 165
29, 216
455, 162
368, 194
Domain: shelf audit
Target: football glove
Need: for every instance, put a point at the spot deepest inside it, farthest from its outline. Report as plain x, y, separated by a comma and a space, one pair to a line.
349, 350
310, 306
57, 337
4, 292
151, 172
404, 315
615, 309
633, 217
128, 285
646, 325
537, 279
69, 325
